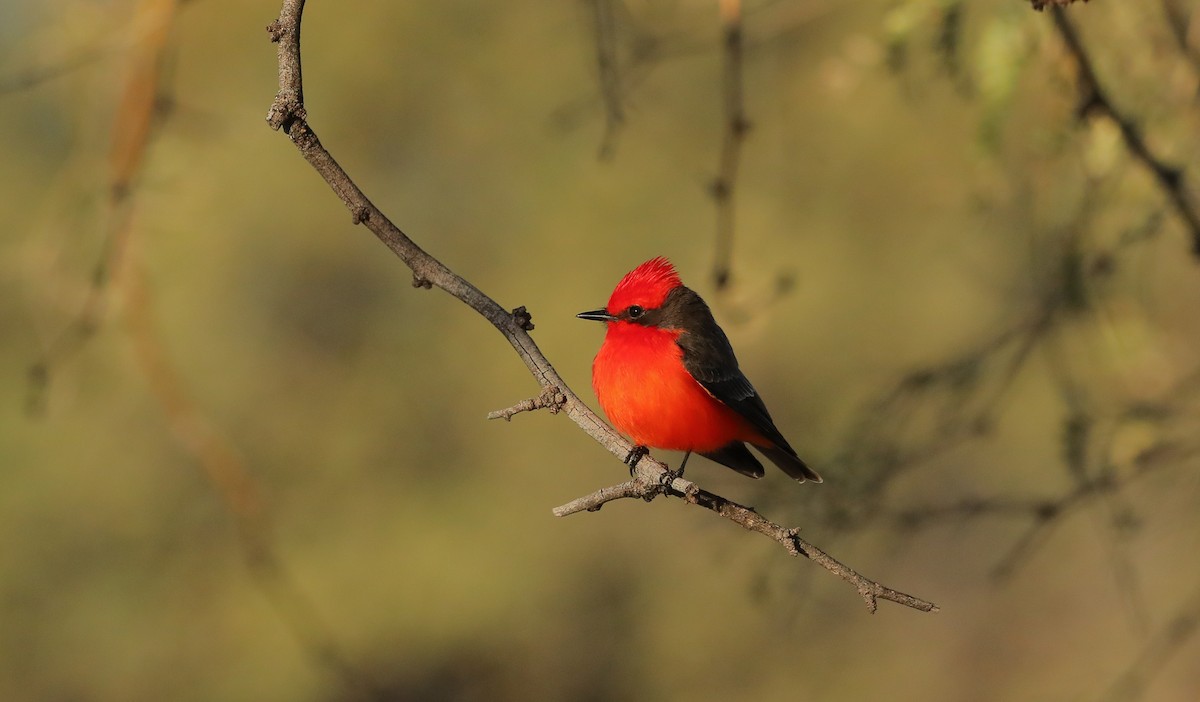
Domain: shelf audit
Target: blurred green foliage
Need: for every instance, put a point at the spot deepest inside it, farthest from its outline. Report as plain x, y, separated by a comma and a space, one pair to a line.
944, 284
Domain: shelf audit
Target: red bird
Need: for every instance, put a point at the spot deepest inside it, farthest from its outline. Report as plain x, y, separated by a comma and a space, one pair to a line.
667, 376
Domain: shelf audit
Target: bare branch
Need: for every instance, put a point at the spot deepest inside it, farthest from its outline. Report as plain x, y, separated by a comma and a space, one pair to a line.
1170, 178
594, 501
650, 479
287, 113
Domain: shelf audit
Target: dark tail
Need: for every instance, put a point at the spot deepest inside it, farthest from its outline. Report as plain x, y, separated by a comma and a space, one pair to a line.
737, 457
789, 463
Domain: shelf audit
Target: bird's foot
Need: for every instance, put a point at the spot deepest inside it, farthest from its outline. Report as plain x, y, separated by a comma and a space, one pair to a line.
668, 477
635, 455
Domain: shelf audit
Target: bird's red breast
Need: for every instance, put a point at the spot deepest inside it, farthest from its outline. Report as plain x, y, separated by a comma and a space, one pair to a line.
644, 389
642, 384
667, 376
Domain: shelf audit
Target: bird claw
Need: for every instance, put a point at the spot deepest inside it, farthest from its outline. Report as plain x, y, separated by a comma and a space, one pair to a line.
668, 477
664, 481
635, 454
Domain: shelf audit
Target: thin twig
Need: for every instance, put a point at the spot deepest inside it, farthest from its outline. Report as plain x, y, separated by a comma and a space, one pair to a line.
287, 113
550, 398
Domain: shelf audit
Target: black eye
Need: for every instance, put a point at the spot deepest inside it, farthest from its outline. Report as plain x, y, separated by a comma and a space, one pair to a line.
635, 311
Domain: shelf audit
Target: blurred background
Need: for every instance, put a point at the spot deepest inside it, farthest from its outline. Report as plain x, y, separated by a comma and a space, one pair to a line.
244, 459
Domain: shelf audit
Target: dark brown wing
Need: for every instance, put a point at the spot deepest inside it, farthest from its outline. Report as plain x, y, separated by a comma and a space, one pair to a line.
709, 358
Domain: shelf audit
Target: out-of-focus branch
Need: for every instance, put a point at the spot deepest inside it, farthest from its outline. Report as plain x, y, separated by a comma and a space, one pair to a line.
1040, 5
129, 140
1093, 98
225, 470
287, 113
1179, 21
91, 313
1043, 514
609, 72
736, 127
219, 462
1163, 645
39, 75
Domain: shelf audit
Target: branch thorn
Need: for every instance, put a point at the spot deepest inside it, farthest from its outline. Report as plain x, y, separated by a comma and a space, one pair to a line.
523, 319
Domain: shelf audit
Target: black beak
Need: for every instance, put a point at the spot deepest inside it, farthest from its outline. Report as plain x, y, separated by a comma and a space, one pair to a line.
597, 316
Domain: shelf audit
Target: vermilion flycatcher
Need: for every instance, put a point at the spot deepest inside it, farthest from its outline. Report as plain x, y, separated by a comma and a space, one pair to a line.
667, 376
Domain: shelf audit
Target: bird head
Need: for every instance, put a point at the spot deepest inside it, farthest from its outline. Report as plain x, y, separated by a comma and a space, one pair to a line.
642, 290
